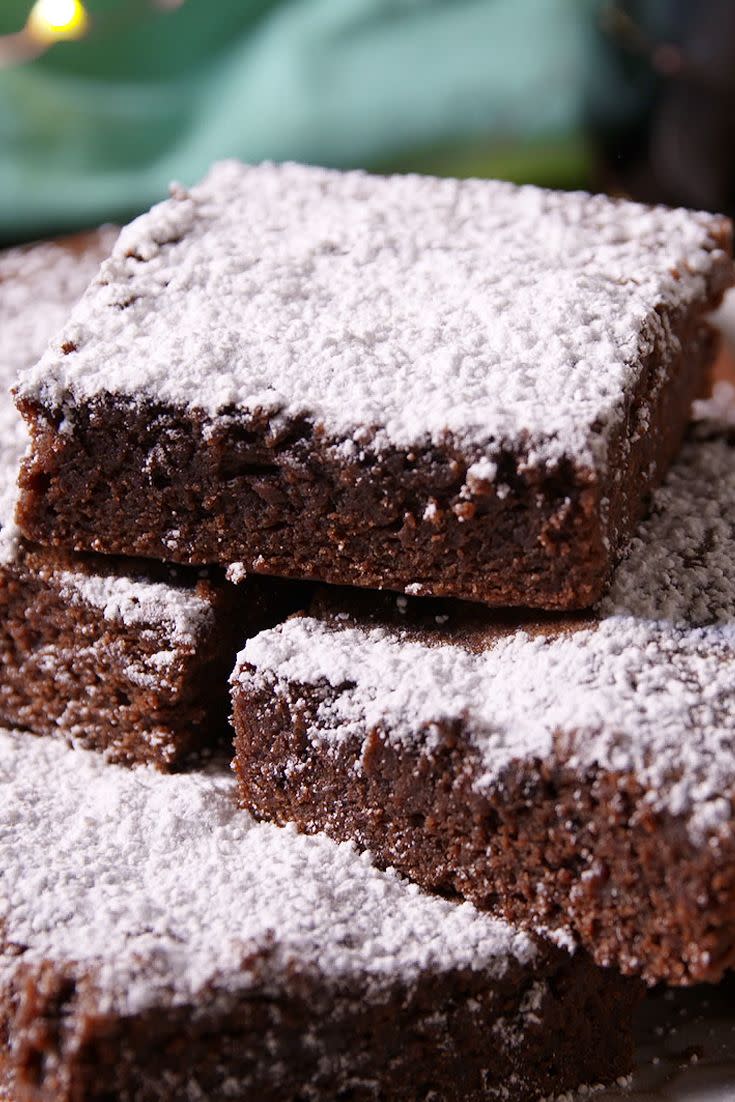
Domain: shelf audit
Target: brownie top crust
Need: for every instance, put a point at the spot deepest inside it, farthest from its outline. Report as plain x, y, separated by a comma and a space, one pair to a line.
644, 686
395, 311
160, 889
39, 285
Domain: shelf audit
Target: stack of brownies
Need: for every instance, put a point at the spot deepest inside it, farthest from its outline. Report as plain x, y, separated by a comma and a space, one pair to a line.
425, 450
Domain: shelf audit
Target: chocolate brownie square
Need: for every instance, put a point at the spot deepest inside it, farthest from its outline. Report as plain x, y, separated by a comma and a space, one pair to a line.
440, 387
156, 943
127, 657
578, 772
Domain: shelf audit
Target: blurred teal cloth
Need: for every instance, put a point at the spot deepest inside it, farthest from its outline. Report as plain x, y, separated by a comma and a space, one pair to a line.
97, 129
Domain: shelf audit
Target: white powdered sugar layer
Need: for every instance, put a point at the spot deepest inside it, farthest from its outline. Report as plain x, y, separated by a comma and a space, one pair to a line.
679, 568
136, 603
164, 888
13, 443
38, 287
648, 689
391, 311
717, 411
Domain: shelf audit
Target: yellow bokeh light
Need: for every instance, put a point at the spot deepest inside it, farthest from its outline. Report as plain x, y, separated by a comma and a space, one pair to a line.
57, 20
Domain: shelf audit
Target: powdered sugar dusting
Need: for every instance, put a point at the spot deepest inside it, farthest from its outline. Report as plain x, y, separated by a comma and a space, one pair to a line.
680, 567
13, 443
719, 408
165, 888
38, 287
181, 610
648, 689
390, 310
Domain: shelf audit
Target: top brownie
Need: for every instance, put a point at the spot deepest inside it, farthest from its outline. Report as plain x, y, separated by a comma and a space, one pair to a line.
458, 388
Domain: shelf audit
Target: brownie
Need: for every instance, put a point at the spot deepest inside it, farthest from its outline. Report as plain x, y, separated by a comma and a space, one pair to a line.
127, 657
440, 387
573, 771
105, 656
158, 943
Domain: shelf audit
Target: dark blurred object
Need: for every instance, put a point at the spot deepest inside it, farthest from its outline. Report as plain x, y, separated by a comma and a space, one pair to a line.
661, 101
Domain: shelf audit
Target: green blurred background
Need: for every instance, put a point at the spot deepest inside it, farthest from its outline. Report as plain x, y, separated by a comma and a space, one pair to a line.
558, 92
97, 128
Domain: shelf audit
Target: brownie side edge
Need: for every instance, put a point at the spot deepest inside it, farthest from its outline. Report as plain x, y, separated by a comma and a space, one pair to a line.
547, 845
70, 670
544, 1027
672, 377
158, 482
287, 504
